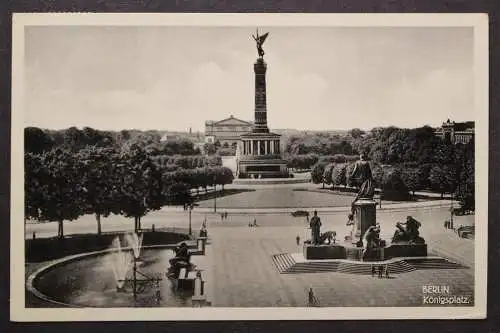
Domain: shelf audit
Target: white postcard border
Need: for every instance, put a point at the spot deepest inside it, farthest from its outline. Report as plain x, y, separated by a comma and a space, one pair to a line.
17, 298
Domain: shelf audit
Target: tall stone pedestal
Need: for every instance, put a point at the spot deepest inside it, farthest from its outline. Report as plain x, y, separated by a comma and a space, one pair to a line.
260, 155
364, 217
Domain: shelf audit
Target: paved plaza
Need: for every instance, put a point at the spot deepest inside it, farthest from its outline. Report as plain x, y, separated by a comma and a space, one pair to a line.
245, 276
241, 273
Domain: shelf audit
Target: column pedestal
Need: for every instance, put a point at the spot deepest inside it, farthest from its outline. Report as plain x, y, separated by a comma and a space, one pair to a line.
364, 217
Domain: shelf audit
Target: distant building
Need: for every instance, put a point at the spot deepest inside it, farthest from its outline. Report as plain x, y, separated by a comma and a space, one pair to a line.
226, 131
456, 133
169, 137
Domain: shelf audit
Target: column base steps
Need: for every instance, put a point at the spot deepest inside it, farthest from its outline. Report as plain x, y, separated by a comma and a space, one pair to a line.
286, 264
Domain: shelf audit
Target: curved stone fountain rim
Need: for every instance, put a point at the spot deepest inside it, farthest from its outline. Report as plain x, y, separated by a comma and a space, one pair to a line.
30, 282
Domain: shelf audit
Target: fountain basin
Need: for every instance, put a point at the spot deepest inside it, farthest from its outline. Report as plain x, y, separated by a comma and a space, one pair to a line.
87, 280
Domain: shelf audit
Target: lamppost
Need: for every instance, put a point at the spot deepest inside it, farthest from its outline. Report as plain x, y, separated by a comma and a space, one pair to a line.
451, 210
190, 207
215, 195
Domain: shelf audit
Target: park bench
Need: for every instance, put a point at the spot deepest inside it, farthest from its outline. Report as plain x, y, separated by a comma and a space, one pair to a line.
465, 231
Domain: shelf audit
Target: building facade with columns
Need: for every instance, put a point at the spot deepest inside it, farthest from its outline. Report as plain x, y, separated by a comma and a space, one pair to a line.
456, 133
259, 153
226, 131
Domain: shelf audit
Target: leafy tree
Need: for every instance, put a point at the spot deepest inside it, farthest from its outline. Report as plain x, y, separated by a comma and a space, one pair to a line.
466, 186
74, 139
393, 187
224, 176
62, 190
350, 181
209, 148
356, 133
177, 194
378, 175
412, 177
93, 137
229, 151
179, 146
317, 143
36, 140
100, 182
327, 173
124, 135
339, 174
141, 185
34, 185
443, 178
444, 153
317, 173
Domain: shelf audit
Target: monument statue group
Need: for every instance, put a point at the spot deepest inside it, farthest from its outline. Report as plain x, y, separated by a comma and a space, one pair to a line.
364, 242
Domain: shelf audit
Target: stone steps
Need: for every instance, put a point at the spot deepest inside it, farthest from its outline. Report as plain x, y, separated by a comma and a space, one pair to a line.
283, 261
435, 263
286, 264
365, 268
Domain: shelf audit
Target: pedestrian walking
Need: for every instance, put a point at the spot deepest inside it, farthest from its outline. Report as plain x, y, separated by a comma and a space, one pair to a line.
310, 297
297, 239
387, 271
373, 270
225, 215
380, 271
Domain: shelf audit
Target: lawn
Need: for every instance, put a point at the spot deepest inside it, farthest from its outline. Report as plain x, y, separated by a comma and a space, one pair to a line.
280, 198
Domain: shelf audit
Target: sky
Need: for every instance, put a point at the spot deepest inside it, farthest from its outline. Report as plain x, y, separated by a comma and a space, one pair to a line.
176, 78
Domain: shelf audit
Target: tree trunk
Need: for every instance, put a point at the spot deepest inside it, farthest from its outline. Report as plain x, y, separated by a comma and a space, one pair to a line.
98, 219
60, 229
137, 223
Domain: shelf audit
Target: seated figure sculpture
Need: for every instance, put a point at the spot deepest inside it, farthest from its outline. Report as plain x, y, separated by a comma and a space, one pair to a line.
372, 242
408, 232
181, 260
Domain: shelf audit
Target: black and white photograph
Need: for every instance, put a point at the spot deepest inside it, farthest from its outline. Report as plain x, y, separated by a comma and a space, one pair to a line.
238, 166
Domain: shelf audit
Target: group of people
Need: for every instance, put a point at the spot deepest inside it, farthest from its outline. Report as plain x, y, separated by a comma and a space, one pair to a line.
382, 270
223, 216
253, 224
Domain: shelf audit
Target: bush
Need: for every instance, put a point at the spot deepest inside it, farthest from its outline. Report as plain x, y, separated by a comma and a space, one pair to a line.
327, 173
394, 188
226, 151
42, 249
317, 172
339, 174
